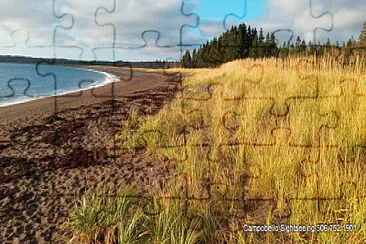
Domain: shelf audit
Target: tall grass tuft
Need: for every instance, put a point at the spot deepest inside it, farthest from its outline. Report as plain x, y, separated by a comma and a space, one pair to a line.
106, 217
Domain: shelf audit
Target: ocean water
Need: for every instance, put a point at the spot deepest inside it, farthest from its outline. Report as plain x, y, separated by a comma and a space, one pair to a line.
21, 83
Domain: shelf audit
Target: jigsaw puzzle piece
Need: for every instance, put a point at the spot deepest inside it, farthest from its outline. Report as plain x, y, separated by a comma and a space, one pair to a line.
319, 11
255, 84
284, 36
263, 160
15, 90
7, 39
183, 209
135, 55
232, 104
308, 17
320, 210
39, 31
151, 46
308, 112
20, 46
202, 195
236, 122
24, 84
254, 119
167, 145
85, 39
182, 138
271, 107
190, 186
295, 84
68, 86
221, 17
125, 74
323, 191
316, 174
219, 87
300, 168
347, 101
121, 15
11, 90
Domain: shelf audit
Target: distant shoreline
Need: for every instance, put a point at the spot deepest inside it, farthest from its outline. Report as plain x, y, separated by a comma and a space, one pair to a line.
158, 64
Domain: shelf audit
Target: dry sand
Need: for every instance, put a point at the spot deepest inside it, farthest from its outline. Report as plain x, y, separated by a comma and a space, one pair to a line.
52, 150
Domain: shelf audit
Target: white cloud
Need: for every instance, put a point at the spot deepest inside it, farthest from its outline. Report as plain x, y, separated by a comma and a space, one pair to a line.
132, 17
349, 18
303, 19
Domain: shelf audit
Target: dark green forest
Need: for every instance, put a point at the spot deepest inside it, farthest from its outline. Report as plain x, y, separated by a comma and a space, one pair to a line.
244, 41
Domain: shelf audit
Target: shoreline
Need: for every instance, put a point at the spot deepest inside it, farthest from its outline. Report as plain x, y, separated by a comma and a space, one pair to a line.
109, 78
52, 150
17, 114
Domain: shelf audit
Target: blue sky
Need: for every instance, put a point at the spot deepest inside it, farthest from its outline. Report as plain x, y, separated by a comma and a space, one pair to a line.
217, 16
208, 9
134, 30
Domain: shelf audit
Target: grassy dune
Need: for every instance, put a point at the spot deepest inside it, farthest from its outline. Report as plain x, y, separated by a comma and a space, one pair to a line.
255, 142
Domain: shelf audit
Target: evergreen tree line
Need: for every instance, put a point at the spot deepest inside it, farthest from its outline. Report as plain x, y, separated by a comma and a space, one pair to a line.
237, 43
246, 42
300, 48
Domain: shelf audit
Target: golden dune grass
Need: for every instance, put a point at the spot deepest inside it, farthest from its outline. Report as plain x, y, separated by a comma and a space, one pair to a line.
289, 134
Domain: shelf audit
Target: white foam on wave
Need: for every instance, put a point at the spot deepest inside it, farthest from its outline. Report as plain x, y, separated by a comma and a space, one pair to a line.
109, 78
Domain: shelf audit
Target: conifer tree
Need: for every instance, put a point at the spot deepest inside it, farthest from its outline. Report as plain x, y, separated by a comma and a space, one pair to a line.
242, 39
254, 51
349, 42
328, 44
200, 60
194, 58
362, 38
272, 49
298, 45
186, 61
303, 47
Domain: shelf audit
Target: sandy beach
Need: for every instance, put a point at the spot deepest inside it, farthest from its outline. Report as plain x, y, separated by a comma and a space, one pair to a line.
53, 149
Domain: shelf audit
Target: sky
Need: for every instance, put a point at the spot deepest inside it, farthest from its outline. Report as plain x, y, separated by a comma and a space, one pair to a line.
133, 30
